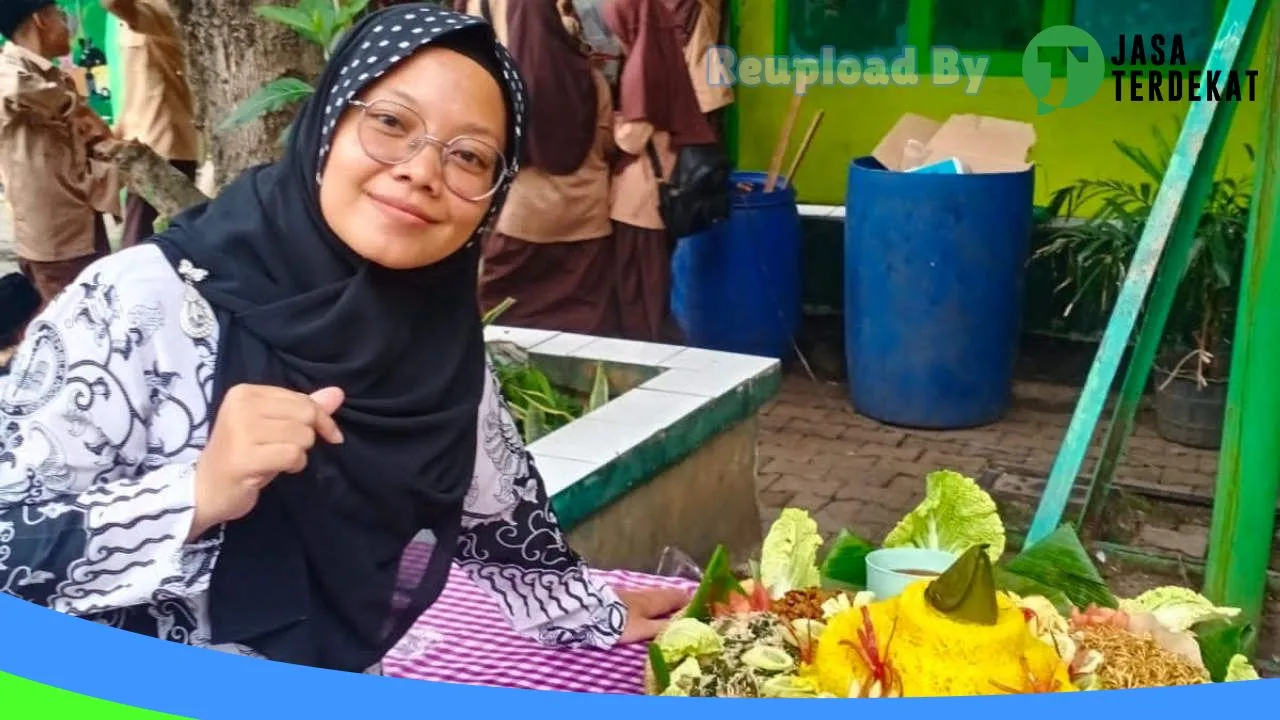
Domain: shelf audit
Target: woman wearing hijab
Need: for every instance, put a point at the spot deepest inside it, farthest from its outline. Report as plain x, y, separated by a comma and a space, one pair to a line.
697, 24
657, 115
227, 435
552, 249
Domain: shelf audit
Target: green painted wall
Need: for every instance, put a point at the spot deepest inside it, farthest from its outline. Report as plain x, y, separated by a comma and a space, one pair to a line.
1073, 143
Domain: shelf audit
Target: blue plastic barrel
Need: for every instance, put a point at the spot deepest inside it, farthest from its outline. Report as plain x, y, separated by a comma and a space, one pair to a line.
934, 274
736, 288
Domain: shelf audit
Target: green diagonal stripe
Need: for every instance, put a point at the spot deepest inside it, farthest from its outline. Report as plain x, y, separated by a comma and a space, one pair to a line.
24, 699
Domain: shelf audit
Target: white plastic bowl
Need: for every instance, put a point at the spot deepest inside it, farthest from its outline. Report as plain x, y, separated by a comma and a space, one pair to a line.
884, 568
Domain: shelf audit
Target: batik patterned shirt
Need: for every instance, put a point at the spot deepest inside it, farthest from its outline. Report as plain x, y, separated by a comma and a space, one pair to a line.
102, 418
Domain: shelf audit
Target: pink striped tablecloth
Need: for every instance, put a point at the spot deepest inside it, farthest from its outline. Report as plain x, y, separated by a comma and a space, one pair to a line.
463, 638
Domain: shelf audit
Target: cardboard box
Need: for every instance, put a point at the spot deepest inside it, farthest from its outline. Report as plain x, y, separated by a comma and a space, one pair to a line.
982, 144
950, 166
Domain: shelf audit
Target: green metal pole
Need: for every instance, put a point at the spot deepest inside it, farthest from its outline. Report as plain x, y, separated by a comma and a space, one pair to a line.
1189, 162
1164, 291
1249, 465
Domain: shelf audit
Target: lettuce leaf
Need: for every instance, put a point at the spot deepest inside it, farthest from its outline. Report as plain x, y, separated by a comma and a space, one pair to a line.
685, 638
789, 556
686, 675
1178, 608
955, 515
1240, 669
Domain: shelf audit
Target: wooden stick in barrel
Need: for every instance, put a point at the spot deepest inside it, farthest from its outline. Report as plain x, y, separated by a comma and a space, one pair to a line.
784, 139
804, 147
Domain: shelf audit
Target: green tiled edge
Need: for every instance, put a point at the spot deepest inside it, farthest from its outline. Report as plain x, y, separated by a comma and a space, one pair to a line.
643, 462
569, 360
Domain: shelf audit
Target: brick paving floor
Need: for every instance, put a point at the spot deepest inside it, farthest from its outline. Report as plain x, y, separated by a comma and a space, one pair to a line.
816, 453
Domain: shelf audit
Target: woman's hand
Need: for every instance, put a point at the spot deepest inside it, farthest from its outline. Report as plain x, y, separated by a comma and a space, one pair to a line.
260, 432
647, 611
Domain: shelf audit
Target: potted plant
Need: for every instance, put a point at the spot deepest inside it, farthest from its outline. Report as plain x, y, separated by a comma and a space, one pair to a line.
1096, 230
1192, 370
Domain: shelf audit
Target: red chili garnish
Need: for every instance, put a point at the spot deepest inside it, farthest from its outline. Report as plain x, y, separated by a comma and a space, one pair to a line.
1032, 685
878, 667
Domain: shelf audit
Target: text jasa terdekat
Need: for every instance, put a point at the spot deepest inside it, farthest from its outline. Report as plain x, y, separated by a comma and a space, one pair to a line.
1154, 69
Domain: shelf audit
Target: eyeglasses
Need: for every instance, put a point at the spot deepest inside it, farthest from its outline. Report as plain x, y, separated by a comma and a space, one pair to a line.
392, 134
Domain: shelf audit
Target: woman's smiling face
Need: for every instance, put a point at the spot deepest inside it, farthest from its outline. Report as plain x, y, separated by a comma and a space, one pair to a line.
404, 216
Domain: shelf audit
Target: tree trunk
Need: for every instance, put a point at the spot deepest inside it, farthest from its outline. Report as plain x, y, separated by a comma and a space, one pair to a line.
231, 52
151, 177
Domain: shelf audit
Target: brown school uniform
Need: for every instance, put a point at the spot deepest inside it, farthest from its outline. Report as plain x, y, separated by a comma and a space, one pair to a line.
54, 189
552, 250
536, 203
706, 35
642, 245
158, 109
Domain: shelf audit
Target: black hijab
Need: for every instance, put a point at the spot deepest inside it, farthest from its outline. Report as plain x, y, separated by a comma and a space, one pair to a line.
307, 577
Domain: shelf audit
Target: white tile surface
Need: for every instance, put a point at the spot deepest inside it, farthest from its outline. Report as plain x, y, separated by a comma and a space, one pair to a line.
721, 370
563, 344
689, 379
559, 473
588, 440
648, 412
524, 337
676, 380
627, 351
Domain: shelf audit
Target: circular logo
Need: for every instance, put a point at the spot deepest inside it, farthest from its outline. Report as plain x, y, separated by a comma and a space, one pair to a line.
1082, 74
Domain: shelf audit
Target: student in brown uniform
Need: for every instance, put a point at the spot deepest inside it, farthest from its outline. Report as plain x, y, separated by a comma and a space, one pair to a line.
552, 250
658, 114
698, 27
47, 134
158, 110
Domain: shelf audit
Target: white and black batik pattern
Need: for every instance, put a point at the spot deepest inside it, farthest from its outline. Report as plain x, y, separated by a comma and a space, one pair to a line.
101, 420
512, 545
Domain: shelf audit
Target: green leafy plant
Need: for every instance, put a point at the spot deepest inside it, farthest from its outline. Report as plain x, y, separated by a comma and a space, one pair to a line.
1101, 223
321, 22
538, 405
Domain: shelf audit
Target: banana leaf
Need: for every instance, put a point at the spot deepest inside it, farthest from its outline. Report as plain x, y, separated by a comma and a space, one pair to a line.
661, 673
1026, 587
1060, 562
846, 561
1219, 641
717, 581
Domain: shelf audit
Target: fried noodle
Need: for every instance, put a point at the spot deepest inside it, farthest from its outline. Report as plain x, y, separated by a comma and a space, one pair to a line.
1136, 661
